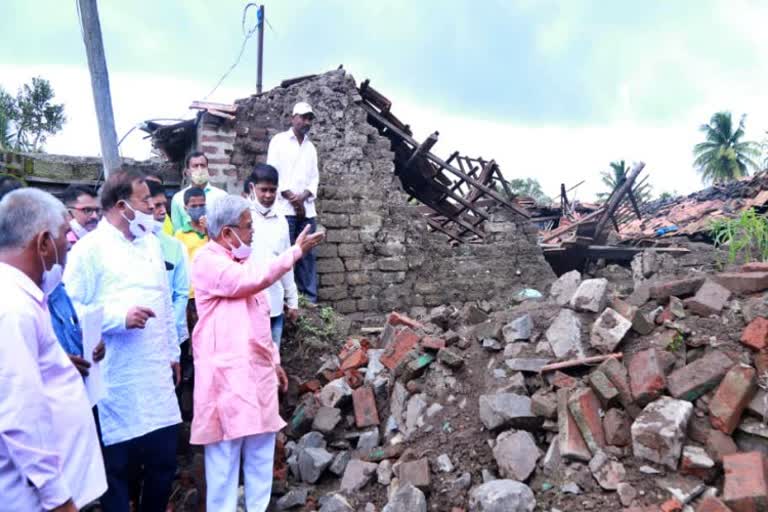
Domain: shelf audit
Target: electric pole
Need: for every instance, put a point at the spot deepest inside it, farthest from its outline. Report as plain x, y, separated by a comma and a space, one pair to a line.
97, 65
260, 64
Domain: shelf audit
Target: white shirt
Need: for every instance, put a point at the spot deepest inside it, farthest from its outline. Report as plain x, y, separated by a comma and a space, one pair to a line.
296, 165
47, 433
270, 239
107, 269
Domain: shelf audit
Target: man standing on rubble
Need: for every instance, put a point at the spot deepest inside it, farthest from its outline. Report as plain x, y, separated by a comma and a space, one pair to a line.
295, 158
49, 450
120, 267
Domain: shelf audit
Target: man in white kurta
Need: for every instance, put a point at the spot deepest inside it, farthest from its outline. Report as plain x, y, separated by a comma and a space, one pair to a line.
120, 267
49, 450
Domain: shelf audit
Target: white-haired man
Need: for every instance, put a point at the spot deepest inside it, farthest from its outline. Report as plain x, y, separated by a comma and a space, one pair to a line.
49, 450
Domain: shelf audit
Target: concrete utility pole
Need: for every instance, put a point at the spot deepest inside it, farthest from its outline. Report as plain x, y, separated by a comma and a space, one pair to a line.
97, 65
260, 64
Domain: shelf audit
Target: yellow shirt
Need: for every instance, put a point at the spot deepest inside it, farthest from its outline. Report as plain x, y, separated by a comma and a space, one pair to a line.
168, 226
193, 241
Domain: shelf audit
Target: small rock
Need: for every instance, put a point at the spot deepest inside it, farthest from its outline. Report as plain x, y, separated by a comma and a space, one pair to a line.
463, 482
450, 358
311, 440
335, 393
444, 463
516, 454
608, 473
335, 503
570, 488
293, 498
407, 498
415, 473
518, 329
384, 472
326, 419
608, 331
492, 344
564, 335
627, 493
566, 285
658, 433
357, 475
339, 464
507, 409
591, 295
502, 496
368, 439
312, 463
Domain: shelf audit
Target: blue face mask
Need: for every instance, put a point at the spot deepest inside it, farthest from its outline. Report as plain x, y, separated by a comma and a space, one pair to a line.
196, 213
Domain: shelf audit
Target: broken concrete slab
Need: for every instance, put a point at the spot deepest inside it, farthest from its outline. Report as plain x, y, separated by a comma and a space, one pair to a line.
520, 328
516, 454
564, 335
507, 410
658, 433
710, 299
677, 288
591, 295
608, 331
565, 287
335, 503
335, 393
312, 463
683, 489
356, 475
326, 419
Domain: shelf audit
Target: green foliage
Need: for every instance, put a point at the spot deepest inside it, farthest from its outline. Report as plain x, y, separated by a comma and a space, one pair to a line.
529, 187
664, 196
676, 344
615, 177
723, 156
27, 120
745, 236
322, 329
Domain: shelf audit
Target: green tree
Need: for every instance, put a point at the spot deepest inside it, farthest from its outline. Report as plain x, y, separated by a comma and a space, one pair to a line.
27, 120
723, 156
615, 177
528, 187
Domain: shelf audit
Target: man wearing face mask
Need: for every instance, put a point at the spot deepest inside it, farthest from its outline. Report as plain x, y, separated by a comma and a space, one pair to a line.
237, 366
49, 450
196, 170
120, 267
295, 158
84, 210
193, 237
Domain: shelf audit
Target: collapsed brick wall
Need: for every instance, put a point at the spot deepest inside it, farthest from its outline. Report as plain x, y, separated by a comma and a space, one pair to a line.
379, 255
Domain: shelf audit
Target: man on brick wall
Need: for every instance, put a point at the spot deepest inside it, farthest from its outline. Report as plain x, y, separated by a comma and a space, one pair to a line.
295, 158
196, 169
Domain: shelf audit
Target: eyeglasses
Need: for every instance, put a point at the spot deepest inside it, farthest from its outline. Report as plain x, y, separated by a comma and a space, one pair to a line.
87, 210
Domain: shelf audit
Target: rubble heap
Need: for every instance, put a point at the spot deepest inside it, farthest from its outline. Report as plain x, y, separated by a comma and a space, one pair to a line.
593, 396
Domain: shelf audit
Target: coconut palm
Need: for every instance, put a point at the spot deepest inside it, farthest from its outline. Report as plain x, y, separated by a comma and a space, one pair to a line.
615, 177
724, 156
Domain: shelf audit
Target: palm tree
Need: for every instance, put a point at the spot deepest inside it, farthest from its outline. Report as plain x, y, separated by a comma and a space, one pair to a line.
724, 156
615, 177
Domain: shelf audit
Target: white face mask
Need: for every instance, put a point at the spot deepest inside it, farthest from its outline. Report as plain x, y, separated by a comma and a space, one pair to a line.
158, 226
51, 277
243, 251
141, 224
263, 210
79, 230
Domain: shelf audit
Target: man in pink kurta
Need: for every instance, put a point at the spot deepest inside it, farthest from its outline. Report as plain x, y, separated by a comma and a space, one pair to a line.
237, 366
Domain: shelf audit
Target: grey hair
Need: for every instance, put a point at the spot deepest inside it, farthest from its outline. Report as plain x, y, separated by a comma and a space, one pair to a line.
26, 212
225, 211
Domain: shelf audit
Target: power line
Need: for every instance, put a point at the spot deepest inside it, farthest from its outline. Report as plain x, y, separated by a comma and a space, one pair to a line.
247, 35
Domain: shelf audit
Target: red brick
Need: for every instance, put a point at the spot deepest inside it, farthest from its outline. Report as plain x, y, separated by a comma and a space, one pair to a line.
563, 380
311, 386
356, 359
693, 380
676, 288
743, 283
616, 425
671, 505
572, 445
755, 335
432, 343
364, 404
697, 464
712, 504
415, 473
396, 318
761, 362
746, 484
755, 266
617, 374
354, 378
646, 376
397, 351
732, 397
719, 445
585, 407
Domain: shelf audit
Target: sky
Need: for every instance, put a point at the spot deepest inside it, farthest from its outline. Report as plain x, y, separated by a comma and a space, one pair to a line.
553, 90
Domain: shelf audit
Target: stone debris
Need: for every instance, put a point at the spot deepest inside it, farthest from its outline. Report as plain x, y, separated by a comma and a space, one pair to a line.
607, 472
516, 454
502, 496
503, 410
608, 331
591, 295
659, 432
565, 287
407, 498
520, 328
356, 475
564, 335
